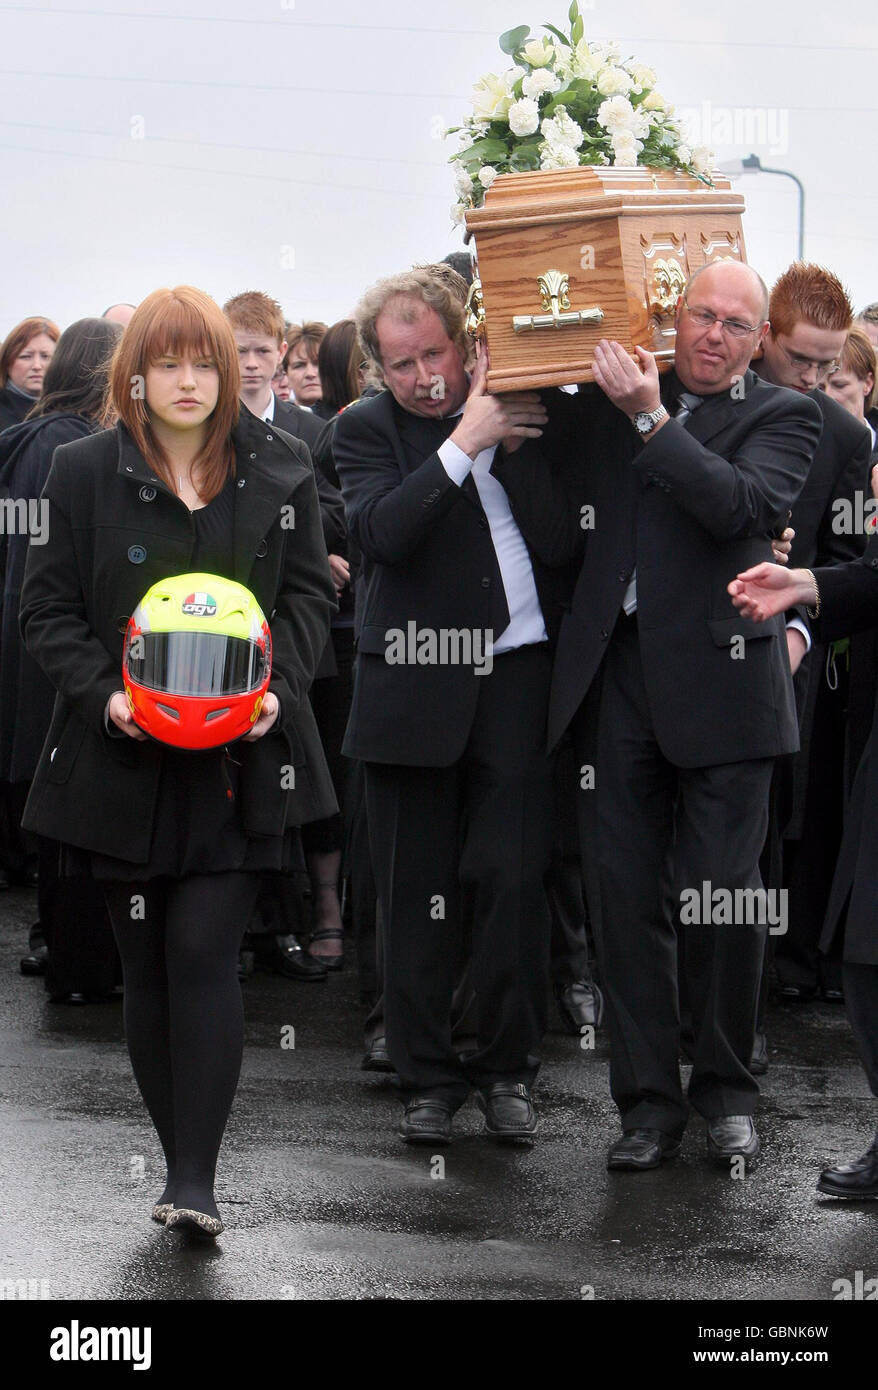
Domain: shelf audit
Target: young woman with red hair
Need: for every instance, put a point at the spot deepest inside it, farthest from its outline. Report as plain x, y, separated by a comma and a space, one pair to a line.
188, 481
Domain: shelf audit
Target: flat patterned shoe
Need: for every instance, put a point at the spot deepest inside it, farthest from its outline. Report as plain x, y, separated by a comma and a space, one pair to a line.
161, 1211
187, 1221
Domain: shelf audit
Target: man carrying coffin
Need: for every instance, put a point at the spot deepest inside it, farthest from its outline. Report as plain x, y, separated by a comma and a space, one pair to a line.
678, 706
449, 708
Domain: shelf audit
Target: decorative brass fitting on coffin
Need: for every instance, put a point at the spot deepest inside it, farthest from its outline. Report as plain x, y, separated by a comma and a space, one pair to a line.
554, 287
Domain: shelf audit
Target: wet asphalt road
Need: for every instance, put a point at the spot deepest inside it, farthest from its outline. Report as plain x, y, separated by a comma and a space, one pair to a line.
323, 1201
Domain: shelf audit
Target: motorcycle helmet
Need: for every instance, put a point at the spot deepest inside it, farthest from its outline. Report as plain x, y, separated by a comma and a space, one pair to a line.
196, 661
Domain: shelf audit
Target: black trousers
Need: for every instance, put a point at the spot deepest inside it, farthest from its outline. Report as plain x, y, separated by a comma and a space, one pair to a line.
650, 831
479, 830
861, 1001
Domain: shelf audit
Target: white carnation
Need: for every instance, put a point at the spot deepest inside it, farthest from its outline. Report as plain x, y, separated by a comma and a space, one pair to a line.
625, 149
487, 175
611, 80
702, 158
539, 82
524, 116
684, 154
463, 184
561, 129
559, 156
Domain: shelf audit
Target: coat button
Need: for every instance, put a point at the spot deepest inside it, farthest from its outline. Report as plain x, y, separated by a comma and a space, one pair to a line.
148, 494
252, 456
270, 438
486, 583
52, 754
136, 554
262, 549
241, 482
129, 468
604, 634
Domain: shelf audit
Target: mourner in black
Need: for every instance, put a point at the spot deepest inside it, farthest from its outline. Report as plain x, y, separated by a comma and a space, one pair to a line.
449, 706
678, 706
843, 600
188, 480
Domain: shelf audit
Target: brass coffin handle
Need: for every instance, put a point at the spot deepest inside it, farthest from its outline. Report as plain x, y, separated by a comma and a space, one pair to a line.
554, 287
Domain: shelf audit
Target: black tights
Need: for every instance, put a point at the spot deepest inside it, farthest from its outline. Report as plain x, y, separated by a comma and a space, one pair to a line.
184, 1018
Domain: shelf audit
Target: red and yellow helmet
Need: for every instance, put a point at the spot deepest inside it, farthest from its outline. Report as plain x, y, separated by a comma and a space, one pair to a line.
196, 661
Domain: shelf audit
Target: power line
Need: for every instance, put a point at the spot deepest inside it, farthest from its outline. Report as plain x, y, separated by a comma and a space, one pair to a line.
638, 39
287, 88
221, 145
229, 173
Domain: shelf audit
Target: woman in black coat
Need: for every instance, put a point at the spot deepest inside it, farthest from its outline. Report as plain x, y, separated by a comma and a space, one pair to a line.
69, 408
842, 600
188, 481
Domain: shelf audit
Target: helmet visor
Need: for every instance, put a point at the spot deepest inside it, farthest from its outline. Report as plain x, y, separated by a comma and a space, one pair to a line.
195, 663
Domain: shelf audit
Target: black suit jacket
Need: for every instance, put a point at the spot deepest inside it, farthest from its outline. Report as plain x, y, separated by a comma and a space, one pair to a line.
428, 559
689, 509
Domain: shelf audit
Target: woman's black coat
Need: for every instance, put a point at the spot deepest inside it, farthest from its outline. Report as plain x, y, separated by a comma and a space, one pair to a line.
27, 697
849, 604
114, 531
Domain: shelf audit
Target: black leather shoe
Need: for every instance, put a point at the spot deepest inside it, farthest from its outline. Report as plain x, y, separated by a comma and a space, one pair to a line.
286, 957
36, 962
759, 1056
797, 994
639, 1149
732, 1136
508, 1110
581, 1005
857, 1179
427, 1120
831, 994
376, 1057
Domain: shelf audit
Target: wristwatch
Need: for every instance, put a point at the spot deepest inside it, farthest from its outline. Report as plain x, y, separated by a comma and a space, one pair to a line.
645, 421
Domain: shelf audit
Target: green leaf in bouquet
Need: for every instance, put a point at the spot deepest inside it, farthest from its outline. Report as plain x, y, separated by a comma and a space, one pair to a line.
512, 40
558, 35
577, 32
526, 156
488, 150
573, 12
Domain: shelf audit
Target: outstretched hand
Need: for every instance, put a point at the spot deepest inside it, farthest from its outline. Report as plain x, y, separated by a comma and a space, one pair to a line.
767, 589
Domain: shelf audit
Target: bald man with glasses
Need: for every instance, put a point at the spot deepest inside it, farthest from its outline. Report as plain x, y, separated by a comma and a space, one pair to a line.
678, 706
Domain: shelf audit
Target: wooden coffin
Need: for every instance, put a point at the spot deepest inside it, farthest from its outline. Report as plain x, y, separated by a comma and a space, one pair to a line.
571, 256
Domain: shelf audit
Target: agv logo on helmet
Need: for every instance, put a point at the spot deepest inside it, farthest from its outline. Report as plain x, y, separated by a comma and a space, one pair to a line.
196, 661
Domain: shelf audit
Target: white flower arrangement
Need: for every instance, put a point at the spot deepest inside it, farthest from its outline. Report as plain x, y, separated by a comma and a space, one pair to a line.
566, 103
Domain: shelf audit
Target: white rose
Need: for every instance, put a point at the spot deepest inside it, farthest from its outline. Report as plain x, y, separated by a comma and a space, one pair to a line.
611, 80
487, 175
654, 101
524, 116
644, 76
702, 158
537, 83
491, 98
559, 156
684, 154
539, 53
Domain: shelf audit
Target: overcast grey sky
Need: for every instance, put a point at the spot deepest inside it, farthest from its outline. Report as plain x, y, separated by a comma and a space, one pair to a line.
291, 145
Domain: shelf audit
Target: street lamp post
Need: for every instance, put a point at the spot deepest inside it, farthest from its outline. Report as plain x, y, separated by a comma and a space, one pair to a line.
752, 164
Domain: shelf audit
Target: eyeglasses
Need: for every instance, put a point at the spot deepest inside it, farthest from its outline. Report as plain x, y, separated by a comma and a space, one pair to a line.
705, 318
804, 364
